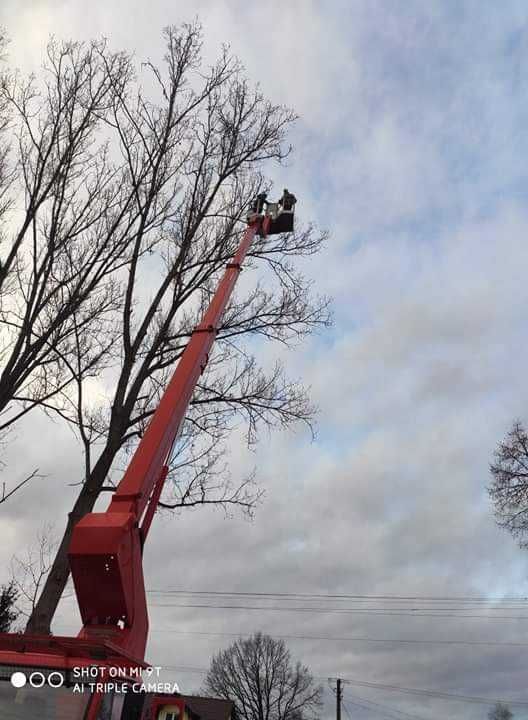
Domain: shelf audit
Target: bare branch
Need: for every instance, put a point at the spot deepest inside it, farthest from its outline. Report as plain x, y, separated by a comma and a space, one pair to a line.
29, 572
31, 476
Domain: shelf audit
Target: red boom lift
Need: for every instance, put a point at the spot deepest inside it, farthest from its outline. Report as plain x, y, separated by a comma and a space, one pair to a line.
38, 673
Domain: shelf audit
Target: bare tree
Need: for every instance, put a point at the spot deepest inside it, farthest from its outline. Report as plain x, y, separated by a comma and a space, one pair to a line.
190, 150
509, 488
259, 676
500, 712
29, 571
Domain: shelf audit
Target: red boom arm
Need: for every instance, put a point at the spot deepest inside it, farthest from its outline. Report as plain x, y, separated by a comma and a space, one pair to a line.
106, 548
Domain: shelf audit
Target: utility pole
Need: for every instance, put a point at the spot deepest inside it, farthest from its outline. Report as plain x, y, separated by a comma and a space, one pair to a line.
339, 695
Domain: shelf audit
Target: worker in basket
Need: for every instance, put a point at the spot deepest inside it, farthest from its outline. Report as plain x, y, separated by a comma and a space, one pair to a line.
280, 213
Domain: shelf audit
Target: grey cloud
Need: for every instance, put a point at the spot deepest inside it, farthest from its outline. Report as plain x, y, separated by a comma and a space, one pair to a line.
411, 149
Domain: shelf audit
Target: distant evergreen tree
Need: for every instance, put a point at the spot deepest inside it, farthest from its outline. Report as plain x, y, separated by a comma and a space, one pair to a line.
500, 712
8, 613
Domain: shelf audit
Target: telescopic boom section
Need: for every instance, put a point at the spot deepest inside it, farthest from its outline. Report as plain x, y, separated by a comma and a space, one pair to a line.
106, 548
140, 478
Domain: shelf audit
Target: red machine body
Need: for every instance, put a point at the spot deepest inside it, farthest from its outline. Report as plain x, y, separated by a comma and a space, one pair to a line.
106, 548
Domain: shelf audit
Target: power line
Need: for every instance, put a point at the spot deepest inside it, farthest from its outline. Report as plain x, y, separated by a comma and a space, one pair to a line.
437, 694
385, 710
408, 612
185, 668
328, 596
378, 708
463, 603
404, 641
325, 638
345, 708
413, 607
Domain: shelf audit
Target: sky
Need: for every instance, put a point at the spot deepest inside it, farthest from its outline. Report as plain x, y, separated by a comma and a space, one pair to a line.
410, 149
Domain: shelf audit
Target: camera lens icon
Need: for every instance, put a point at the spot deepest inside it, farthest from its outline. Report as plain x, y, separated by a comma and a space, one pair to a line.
55, 680
18, 680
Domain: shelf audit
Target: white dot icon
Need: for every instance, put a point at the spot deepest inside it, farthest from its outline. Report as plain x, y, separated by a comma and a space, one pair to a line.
18, 679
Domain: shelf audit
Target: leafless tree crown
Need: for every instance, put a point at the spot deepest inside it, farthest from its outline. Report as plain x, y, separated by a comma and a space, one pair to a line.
509, 487
259, 676
29, 571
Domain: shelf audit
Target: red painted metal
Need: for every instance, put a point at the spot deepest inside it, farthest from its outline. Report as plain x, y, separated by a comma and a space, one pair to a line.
63, 652
153, 504
106, 548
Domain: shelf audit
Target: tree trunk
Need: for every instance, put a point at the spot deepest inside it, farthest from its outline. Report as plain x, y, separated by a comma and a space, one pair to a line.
41, 617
